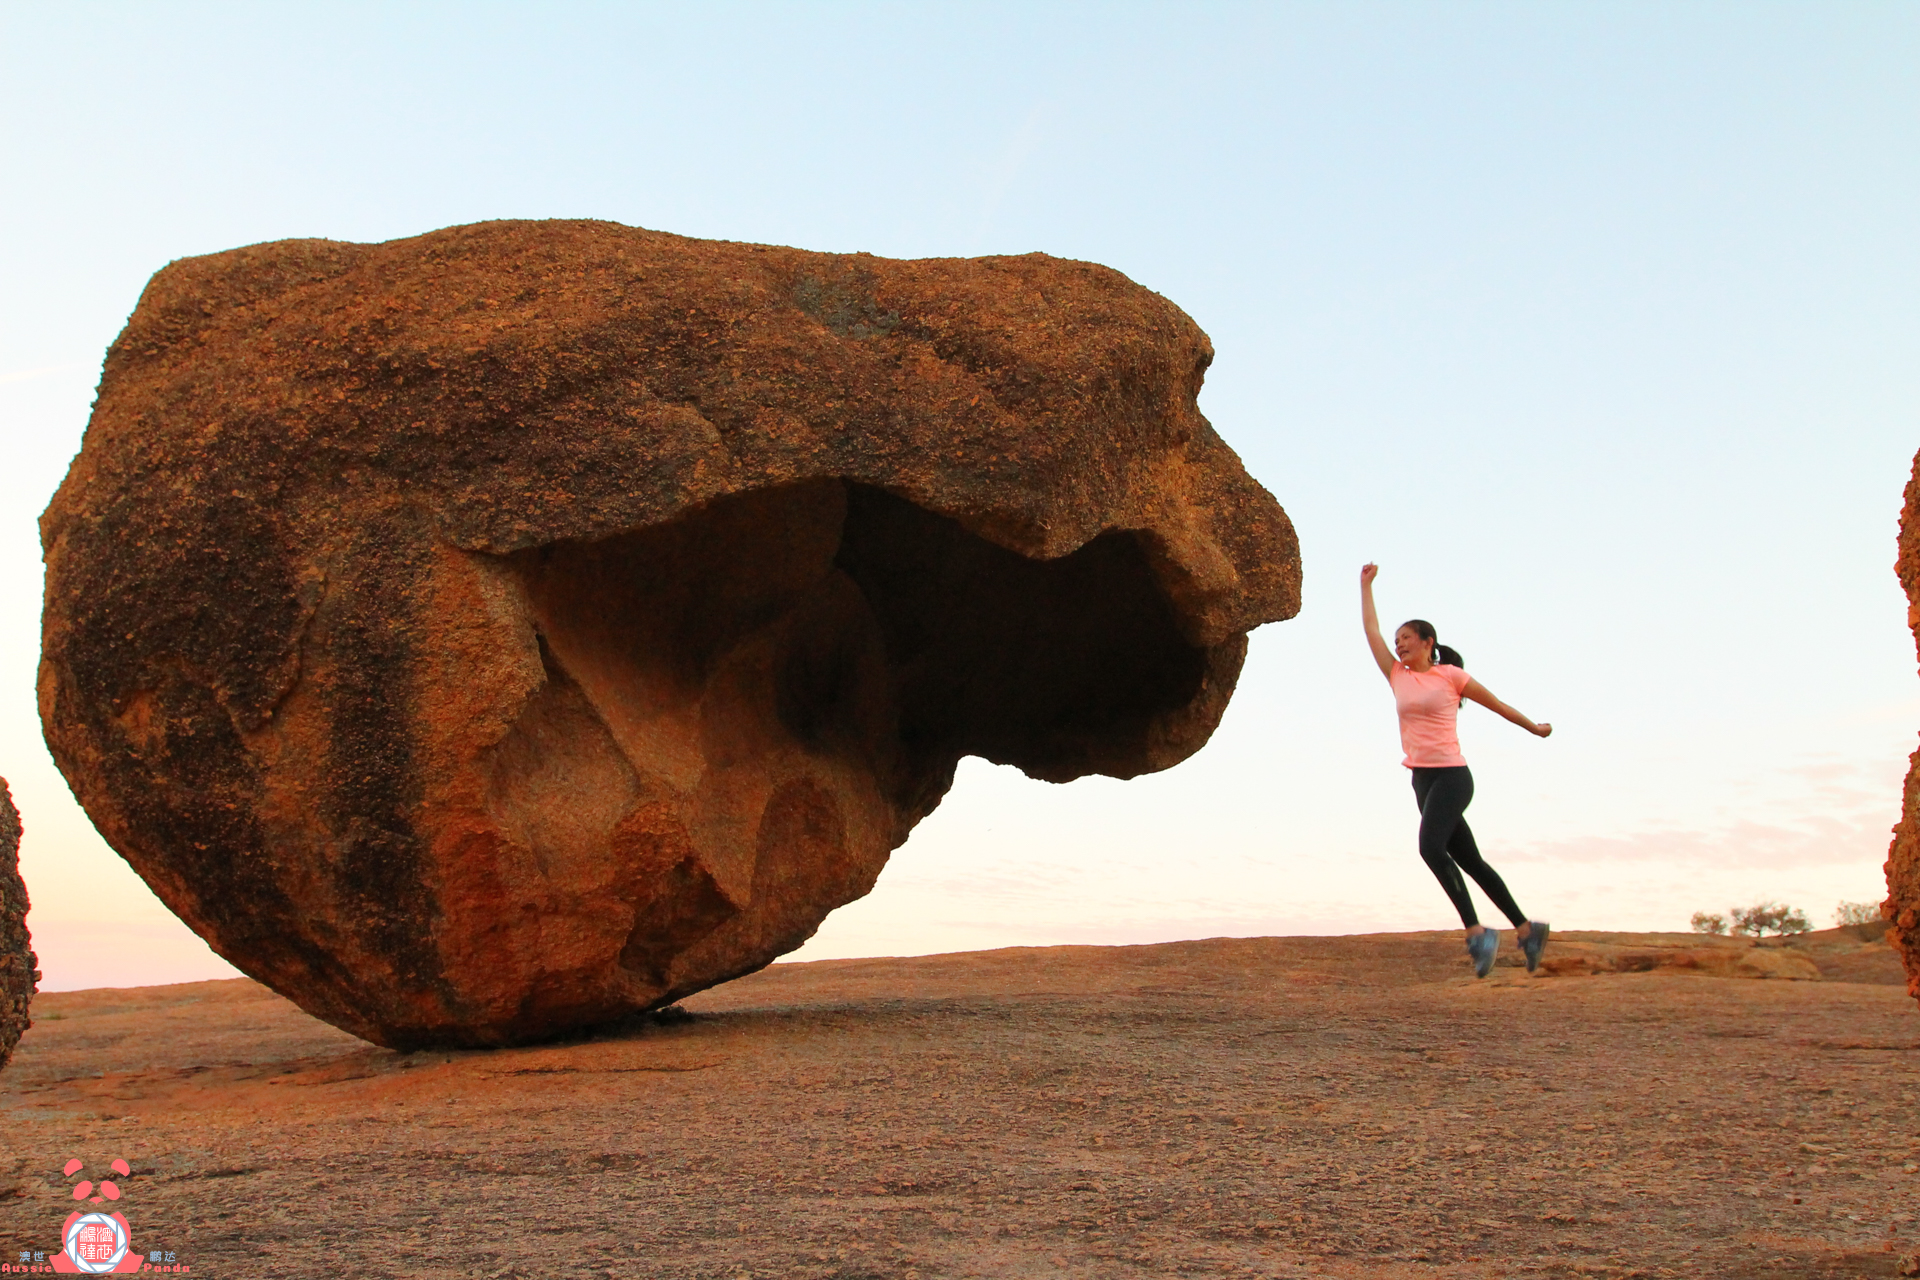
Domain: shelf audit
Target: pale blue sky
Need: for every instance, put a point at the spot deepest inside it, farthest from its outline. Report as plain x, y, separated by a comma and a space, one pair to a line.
1594, 324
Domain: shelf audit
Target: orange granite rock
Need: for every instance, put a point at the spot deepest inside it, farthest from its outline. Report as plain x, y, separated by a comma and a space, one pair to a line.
497, 631
19, 972
1903, 859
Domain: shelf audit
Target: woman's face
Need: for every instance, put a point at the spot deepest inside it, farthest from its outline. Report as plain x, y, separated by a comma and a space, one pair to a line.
1412, 650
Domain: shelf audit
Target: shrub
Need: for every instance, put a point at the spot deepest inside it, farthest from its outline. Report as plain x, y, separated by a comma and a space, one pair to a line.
1769, 917
1705, 923
1856, 913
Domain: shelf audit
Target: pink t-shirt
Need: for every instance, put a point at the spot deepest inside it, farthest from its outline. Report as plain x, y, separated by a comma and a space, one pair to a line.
1428, 702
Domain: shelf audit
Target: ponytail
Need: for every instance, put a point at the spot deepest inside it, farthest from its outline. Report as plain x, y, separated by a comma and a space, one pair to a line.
1442, 654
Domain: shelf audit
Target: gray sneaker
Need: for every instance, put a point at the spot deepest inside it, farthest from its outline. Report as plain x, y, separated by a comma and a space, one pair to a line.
1483, 947
1535, 942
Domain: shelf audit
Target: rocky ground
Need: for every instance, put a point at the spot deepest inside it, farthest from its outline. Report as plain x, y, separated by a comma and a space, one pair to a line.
1338, 1107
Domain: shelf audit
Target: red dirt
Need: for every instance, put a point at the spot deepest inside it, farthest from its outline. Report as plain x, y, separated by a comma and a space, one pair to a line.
1339, 1107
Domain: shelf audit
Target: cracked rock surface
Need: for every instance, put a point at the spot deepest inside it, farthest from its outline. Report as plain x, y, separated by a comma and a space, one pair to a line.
499, 631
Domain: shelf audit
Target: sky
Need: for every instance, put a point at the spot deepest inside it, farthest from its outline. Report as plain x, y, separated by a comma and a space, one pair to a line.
1594, 324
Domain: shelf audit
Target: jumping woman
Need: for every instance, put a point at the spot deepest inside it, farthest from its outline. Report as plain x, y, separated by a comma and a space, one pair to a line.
1428, 685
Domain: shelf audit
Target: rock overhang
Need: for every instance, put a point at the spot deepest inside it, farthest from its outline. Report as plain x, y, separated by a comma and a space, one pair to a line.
477, 635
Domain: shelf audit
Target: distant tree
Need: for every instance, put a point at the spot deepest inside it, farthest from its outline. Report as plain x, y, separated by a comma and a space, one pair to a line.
1856, 913
1703, 922
1769, 917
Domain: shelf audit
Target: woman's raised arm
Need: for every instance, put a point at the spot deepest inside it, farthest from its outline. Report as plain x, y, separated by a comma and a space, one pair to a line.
1370, 619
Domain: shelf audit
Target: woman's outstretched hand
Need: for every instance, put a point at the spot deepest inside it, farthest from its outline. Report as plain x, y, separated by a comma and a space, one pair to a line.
1368, 572
1543, 730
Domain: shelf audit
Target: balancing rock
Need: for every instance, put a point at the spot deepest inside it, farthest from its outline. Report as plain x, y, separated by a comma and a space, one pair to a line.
502, 630
19, 972
1902, 907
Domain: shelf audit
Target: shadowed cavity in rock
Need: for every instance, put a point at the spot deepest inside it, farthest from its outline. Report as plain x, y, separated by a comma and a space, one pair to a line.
813, 658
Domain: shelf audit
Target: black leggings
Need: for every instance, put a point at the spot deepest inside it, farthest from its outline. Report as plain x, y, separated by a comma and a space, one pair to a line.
1446, 843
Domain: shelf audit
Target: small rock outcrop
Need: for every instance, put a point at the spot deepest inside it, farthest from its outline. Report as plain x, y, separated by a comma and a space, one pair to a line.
502, 630
1903, 859
19, 972
1712, 958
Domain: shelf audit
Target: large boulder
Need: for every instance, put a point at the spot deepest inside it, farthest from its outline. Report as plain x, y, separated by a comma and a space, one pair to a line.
1903, 859
493, 632
19, 972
